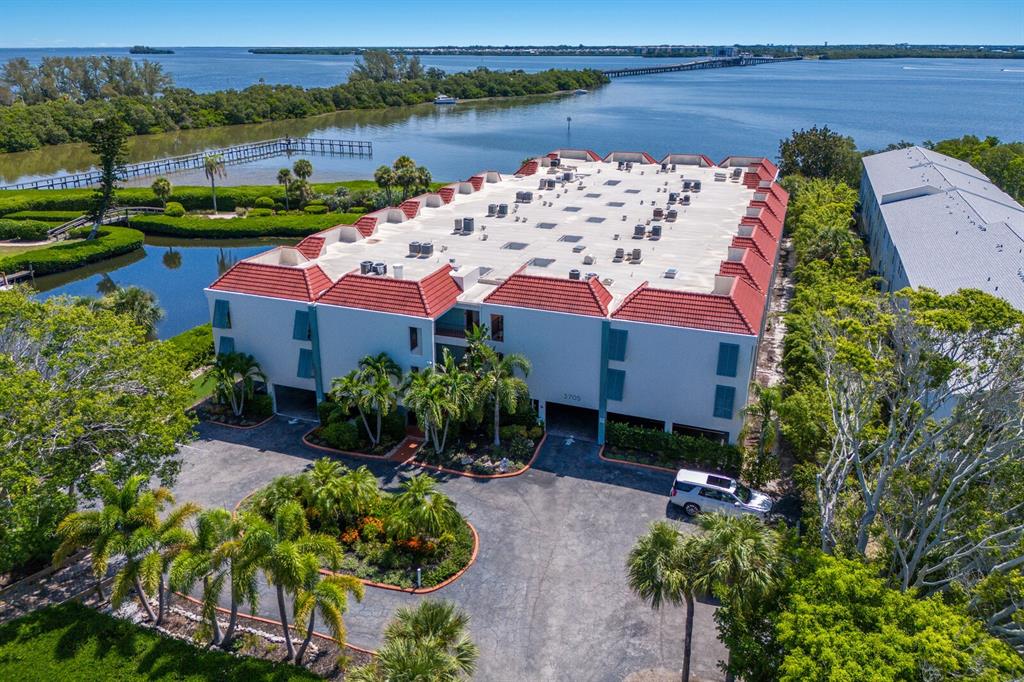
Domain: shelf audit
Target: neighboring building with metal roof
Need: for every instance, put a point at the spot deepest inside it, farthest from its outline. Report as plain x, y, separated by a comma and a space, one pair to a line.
935, 221
637, 288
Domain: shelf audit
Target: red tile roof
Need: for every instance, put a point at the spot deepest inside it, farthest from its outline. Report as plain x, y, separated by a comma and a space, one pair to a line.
366, 225
759, 240
751, 268
430, 297
410, 207
575, 296
275, 281
311, 246
780, 192
736, 313
528, 168
447, 193
767, 221
477, 181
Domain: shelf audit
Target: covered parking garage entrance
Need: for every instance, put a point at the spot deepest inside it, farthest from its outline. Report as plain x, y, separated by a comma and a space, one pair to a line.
570, 420
295, 403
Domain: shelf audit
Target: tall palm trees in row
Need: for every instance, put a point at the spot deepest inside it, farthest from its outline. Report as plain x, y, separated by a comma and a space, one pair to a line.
402, 173
441, 395
236, 375
736, 558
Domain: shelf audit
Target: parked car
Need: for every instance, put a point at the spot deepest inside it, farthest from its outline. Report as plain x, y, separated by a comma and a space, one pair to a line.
697, 491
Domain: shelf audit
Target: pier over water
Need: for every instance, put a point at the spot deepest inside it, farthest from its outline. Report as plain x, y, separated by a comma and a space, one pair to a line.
715, 63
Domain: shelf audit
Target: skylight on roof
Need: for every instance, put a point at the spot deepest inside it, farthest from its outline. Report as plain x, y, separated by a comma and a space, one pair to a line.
595, 219
632, 191
612, 183
541, 262
592, 195
571, 209
546, 226
514, 246
616, 204
570, 238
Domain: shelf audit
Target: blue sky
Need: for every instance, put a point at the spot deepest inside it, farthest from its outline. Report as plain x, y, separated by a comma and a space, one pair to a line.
88, 23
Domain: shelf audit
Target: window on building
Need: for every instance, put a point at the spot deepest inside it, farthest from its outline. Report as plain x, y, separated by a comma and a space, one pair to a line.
728, 359
472, 319
497, 327
414, 369
305, 370
725, 396
301, 330
617, 344
414, 339
615, 384
227, 345
221, 315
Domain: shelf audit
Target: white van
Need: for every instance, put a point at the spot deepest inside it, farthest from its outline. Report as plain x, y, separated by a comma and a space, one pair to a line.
697, 491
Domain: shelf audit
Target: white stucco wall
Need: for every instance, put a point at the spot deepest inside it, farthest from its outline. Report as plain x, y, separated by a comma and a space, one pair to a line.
263, 327
671, 375
347, 335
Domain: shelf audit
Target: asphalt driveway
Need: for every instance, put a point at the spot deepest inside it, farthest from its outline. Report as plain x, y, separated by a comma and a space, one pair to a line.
547, 595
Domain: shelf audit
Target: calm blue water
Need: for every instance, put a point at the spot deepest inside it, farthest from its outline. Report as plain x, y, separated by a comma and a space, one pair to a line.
716, 112
175, 270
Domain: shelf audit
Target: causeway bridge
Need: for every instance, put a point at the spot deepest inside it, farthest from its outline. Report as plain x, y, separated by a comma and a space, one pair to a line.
242, 153
713, 63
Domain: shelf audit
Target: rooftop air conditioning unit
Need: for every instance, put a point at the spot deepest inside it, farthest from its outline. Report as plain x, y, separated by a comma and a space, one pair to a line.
591, 275
639, 231
467, 225
427, 249
414, 248
655, 232
397, 269
637, 257
458, 224
366, 267
380, 268
574, 274
493, 208
589, 259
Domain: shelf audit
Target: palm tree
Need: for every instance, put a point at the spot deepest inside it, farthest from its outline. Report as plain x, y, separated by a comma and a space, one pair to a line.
765, 411
139, 304
499, 382
422, 179
353, 391
384, 176
742, 561
166, 542
292, 552
424, 394
114, 530
382, 366
302, 169
236, 375
213, 167
405, 174
329, 596
162, 190
662, 567
422, 509
284, 177
197, 562
426, 642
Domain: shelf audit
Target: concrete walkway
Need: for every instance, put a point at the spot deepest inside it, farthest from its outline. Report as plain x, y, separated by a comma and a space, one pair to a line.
547, 596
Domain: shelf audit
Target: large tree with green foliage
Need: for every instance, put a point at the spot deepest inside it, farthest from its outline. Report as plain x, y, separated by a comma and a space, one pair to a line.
80, 391
820, 153
108, 141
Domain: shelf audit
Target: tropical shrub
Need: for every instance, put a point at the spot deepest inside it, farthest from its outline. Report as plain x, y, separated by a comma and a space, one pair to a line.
111, 241
174, 210
263, 202
24, 230
52, 216
260, 212
260, 406
343, 435
196, 346
315, 209
700, 453
193, 226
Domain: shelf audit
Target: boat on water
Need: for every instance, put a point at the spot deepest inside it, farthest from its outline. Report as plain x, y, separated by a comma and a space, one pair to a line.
444, 99
581, 91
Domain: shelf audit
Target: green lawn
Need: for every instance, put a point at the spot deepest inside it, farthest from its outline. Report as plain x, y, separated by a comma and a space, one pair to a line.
73, 642
203, 386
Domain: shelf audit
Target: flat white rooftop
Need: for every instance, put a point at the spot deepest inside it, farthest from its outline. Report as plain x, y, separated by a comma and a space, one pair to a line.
579, 225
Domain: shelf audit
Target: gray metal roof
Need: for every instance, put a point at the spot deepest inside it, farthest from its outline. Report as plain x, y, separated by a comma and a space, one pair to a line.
952, 227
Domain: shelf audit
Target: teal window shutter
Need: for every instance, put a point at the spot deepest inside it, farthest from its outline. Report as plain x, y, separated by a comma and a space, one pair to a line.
725, 397
305, 364
617, 344
728, 359
227, 345
616, 383
300, 330
221, 315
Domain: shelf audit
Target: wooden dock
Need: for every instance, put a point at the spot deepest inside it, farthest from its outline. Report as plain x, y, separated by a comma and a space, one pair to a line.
112, 216
714, 63
243, 153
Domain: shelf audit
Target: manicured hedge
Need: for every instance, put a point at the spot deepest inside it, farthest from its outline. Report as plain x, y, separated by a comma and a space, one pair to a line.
47, 216
111, 241
683, 450
257, 226
196, 344
193, 198
24, 230
74, 642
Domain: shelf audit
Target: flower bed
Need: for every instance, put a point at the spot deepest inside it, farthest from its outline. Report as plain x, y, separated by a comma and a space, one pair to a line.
362, 446
476, 454
258, 409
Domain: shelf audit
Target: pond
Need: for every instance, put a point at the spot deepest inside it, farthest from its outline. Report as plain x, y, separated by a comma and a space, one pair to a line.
175, 270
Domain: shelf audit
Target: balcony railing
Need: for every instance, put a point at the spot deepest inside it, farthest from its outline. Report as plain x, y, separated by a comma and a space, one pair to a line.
452, 332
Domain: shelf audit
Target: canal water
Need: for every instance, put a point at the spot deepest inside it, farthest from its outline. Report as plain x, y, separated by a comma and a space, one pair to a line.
716, 112
176, 270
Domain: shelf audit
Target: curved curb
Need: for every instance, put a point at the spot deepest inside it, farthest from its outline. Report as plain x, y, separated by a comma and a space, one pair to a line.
412, 461
652, 467
424, 590
348, 453
277, 623
397, 588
